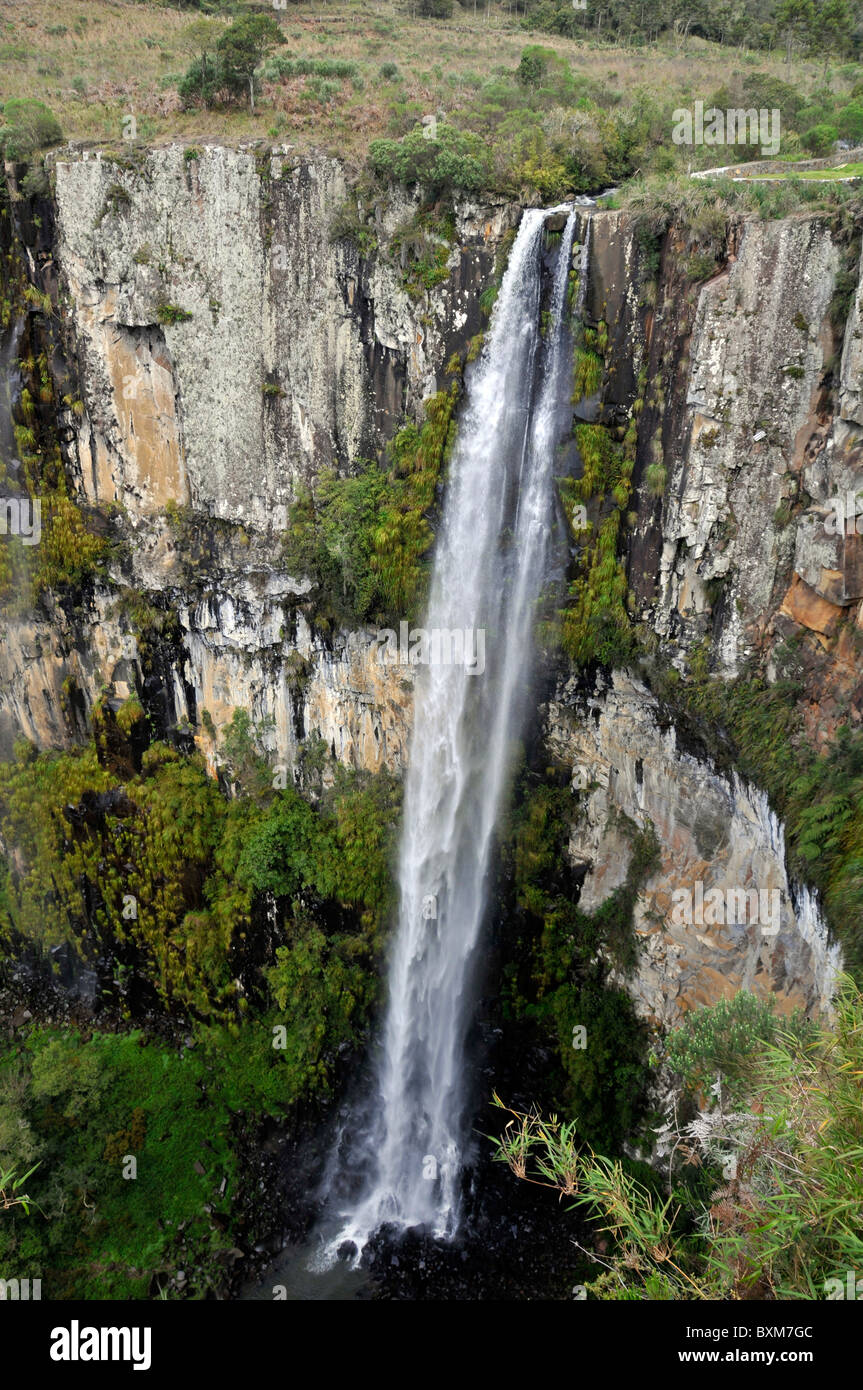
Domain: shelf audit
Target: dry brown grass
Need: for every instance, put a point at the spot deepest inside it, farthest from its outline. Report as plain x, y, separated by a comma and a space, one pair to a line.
116, 57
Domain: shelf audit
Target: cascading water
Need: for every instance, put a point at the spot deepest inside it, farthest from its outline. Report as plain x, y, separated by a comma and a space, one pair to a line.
488, 574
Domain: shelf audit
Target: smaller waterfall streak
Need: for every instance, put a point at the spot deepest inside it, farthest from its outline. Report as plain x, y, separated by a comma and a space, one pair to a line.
412, 1139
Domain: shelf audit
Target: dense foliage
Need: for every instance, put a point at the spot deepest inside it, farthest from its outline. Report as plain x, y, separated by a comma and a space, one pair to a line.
765, 1197
253, 924
572, 957
27, 127
158, 873
797, 26
364, 538
596, 625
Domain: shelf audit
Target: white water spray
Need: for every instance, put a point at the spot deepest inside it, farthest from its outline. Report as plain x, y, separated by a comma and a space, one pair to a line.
488, 574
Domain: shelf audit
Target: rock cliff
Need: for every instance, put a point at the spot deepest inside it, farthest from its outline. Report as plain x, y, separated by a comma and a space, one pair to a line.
228, 339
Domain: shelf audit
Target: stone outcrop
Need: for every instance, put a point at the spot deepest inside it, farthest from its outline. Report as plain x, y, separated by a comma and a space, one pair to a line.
228, 345
713, 832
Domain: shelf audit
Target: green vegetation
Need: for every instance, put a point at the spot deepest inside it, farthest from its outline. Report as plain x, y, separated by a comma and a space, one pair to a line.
812, 27
27, 127
595, 624
423, 246
73, 548
228, 65
721, 1039
452, 159
172, 313
836, 171
70, 554
775, 1208
572, 955
586, 107
158, 871
10, 1193
364, 539
136, 1143
587, 378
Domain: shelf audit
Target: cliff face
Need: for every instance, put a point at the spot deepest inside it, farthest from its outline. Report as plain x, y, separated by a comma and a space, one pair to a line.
228, 345
716, 835
750, 385
747, 388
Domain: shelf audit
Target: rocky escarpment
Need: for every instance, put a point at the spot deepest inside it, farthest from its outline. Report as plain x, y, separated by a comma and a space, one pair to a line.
230, 342
228, 345
232, 334
715, 834
747, 391
745, 387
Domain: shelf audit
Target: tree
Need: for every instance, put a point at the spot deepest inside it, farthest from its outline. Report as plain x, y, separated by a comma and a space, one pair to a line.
242, 49
200, 39
833, 29
795, 19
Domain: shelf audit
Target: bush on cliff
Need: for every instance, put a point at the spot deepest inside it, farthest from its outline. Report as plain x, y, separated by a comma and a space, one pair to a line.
364, 539
27, 126
159, 873
454, 159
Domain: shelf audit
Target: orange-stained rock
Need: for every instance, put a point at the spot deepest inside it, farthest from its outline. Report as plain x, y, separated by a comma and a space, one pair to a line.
804, 606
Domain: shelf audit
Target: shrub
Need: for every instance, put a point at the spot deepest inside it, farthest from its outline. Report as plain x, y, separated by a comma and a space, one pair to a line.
172, 313
36, 183
656, 477
202, 81
850, 122
820, 139
436, 9
577, 956
454, 159
28, 126
777, 1213
719, 1039
534, 65
363, 539
588, 374
69, 555
596, 624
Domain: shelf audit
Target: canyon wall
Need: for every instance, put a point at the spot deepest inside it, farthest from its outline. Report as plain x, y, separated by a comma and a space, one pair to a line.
226, 343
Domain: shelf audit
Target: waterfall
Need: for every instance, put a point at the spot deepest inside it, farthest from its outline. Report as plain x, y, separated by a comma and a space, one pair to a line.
825, 956
489, 567
10, 388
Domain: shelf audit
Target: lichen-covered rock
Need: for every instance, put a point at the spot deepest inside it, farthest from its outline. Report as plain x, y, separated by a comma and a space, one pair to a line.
758, 351
229, 343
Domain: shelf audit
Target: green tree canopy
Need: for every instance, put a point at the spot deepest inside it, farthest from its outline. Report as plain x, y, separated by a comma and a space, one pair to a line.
243, 47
